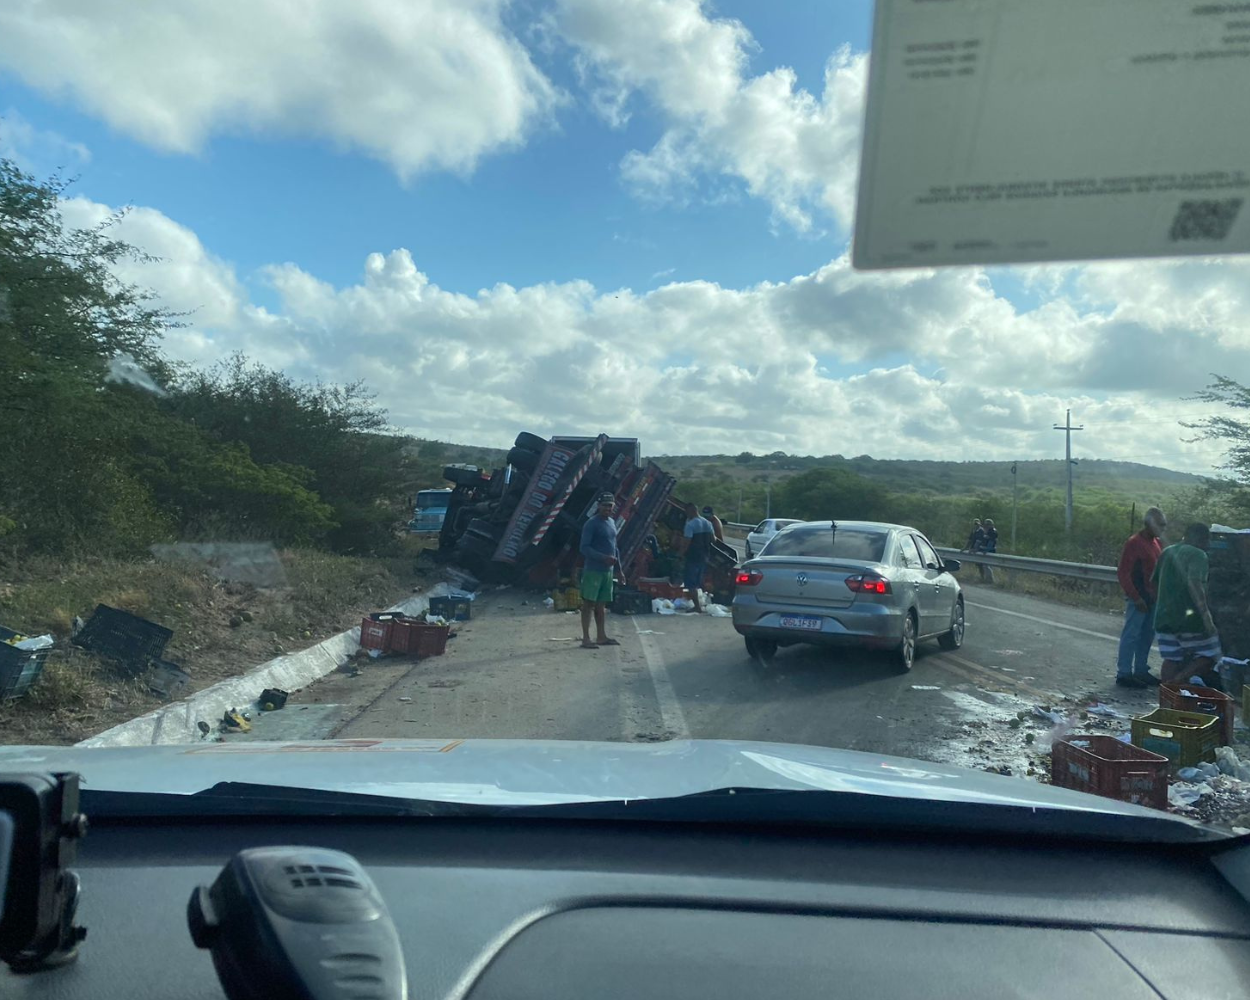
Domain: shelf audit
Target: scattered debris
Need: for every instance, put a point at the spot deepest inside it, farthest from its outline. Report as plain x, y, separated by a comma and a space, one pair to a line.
925, 687
405, 698
1104, 710
272, 699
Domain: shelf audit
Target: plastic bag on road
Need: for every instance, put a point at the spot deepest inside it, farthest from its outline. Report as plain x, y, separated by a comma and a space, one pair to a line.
1202, 772
661, 606
1055, 718
1106, 711
718, 611
1229, 763
1181, 794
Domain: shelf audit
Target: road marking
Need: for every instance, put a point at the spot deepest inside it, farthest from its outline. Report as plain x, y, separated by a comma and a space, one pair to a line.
1044, 621
671, 715
978, 673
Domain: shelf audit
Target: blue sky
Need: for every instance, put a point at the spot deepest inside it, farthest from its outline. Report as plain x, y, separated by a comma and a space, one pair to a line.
255, 200
628, 215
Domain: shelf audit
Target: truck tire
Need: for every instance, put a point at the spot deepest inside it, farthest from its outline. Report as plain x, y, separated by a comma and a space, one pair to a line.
523, 459
463, 477
531, 442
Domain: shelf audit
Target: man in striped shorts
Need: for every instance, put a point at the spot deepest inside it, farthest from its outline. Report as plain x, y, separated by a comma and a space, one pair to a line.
1188, 641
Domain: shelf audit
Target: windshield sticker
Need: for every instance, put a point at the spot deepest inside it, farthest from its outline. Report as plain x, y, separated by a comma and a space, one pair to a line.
334, 746
1014, 131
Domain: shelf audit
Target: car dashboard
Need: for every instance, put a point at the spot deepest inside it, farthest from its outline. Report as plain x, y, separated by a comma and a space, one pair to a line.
489, 909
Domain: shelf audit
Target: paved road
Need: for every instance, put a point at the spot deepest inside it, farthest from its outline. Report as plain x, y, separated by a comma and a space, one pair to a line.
517, 670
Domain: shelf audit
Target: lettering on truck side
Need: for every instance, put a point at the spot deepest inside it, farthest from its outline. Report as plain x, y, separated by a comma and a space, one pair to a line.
538, 497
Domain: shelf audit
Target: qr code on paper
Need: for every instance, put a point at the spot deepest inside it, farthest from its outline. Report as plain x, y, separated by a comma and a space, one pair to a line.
1204, 220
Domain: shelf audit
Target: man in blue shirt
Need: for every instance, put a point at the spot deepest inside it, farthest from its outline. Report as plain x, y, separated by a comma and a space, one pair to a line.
696, 546
601, 558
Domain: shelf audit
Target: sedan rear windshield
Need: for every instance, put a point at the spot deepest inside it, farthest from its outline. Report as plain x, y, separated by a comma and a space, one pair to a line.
848, 543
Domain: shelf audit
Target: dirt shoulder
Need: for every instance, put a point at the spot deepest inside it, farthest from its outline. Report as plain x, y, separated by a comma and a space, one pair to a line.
220, 629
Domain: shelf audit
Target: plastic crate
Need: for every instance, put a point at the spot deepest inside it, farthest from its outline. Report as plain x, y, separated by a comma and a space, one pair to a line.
132, 641
1103, 765
417, 638
1204, 700
657, 587
627, 601
19, 668
567, 599
376, 629
1184, 738
458, 609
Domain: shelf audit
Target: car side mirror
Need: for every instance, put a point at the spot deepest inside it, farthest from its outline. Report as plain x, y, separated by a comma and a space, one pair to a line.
951, 565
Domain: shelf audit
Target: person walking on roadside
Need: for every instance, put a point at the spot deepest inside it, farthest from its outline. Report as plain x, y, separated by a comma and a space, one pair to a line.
989, 544
1185, 630
696, 545
600, 557
718, 526
1136, 570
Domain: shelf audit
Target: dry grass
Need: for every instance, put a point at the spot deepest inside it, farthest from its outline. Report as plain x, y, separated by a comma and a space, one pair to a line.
1076, 593
220, 630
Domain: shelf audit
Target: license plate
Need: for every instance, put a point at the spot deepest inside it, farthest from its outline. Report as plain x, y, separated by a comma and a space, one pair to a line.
800, 621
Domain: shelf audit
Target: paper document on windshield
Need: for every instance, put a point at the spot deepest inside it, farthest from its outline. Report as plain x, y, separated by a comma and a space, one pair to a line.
1002, 131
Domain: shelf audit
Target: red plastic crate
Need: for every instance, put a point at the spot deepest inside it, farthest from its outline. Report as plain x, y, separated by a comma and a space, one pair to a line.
660, 588
1206, 700
1103, 765
376, 630
417, 638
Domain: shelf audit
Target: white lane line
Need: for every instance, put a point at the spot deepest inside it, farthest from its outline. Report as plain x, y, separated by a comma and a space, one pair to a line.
1044, 621
671, 715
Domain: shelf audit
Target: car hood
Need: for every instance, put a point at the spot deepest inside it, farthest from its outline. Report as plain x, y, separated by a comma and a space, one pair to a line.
543, 772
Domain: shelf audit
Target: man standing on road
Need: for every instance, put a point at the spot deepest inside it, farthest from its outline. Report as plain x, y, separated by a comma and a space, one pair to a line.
600, 557
1136, 572
696, 544
718, 526
1188, 642
976, 536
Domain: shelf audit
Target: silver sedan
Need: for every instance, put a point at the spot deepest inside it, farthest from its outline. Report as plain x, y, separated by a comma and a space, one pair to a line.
849, 583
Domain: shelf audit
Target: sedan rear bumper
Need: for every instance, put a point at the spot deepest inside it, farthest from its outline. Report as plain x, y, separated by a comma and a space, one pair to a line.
859, 624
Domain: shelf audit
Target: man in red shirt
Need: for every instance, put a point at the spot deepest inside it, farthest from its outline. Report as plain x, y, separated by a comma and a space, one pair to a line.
1137, 566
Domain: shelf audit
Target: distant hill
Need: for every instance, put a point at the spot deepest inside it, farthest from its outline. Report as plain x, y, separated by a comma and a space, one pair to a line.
1145, 483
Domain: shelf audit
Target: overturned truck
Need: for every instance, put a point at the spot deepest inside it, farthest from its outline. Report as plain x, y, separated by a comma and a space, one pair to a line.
522, 523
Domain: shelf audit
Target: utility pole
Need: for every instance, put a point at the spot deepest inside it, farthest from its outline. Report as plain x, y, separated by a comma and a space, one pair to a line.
1015, 482
739, 506
768, 498
1067, 428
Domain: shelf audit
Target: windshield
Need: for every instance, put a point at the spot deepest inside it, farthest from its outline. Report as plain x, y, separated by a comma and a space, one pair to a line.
846, 543
380, 378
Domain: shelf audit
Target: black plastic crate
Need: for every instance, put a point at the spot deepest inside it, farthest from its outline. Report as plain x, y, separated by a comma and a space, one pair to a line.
19, 668
132, 641
458, 609
631, 602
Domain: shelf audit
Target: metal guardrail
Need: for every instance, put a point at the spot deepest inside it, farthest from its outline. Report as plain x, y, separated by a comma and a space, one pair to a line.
1027, 564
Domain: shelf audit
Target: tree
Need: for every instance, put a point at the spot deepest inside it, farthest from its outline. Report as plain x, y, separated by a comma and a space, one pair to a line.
832, 494
1236, 431
745, 458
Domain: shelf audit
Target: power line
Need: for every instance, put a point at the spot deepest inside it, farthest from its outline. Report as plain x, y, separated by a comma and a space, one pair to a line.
1067, 428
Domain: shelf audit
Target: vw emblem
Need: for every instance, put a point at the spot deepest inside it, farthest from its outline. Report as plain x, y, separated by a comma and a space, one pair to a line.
801, 579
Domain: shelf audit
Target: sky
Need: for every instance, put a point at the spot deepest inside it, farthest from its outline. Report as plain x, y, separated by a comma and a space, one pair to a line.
573, 216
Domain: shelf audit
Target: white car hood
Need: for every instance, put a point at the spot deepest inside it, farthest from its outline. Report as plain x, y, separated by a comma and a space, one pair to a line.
542, 772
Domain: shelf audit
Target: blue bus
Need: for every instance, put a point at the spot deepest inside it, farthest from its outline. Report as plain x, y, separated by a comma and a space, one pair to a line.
431, 509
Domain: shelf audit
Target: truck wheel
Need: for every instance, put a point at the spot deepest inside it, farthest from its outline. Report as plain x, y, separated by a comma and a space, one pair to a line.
523, 459
532, 442
463, 477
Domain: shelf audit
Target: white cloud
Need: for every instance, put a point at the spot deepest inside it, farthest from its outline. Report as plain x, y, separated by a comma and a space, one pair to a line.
809, 365
417, 84
796, 151
38, 151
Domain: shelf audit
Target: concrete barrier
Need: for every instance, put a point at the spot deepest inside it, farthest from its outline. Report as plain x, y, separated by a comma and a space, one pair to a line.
178, 722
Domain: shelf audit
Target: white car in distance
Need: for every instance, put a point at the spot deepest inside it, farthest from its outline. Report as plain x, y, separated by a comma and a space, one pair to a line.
762, 533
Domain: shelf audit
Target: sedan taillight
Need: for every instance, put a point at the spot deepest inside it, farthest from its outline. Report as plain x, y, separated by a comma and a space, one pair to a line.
748, 577
868, 584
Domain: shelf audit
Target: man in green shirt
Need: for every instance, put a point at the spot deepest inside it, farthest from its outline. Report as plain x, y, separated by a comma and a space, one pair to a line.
1188, 642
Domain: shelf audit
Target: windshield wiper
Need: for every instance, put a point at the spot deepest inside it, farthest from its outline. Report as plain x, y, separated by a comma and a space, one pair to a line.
847, 811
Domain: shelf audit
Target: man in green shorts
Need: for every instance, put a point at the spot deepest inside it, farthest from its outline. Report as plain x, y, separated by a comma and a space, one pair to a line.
600, 557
